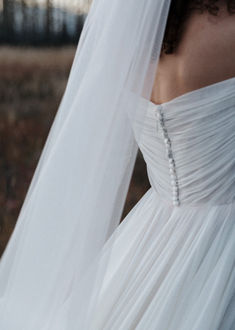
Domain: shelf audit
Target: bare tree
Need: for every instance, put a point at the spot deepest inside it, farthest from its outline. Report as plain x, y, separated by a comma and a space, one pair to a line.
64, 28
49, 19
8, 20
24, 26
34, 17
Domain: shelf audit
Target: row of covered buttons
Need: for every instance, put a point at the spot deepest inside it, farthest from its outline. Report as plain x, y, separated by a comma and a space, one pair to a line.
169, 153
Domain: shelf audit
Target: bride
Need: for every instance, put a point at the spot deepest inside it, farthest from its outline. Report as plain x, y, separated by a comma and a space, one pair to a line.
157, 75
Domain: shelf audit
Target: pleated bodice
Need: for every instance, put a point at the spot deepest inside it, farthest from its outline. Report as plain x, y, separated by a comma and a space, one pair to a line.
188, 144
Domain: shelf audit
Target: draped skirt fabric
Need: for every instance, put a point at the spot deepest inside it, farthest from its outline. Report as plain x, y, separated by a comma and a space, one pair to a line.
170, 269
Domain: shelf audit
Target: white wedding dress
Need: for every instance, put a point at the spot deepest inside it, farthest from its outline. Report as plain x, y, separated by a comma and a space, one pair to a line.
172, 263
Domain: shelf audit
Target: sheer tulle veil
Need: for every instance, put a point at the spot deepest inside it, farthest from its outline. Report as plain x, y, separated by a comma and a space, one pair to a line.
51, 271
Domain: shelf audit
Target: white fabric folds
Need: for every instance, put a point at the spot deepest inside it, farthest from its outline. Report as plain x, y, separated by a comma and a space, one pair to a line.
77, 194
173, 268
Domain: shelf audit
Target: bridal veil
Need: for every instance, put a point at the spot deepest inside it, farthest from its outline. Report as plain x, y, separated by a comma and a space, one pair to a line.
50, 272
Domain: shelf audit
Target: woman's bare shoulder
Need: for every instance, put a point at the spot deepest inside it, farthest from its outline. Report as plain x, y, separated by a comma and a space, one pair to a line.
204, 56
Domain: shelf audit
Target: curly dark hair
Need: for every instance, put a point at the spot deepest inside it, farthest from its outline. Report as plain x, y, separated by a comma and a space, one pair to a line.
179, 11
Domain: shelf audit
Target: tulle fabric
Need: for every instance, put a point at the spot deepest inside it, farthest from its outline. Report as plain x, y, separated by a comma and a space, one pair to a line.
174, 267
51, 274
170, 268
201, 127
76, 197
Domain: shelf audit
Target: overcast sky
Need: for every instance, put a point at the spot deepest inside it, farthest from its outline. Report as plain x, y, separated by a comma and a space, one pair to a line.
72, 4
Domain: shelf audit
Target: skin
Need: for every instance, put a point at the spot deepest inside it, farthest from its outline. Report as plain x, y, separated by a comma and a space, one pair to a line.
205, 55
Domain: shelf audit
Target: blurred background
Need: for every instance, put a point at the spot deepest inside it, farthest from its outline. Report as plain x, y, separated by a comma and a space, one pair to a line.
38, 39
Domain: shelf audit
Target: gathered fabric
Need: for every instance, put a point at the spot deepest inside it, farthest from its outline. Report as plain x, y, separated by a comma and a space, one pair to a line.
172, 265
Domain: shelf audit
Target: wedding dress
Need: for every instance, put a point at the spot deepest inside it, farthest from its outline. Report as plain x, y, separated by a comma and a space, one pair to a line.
171, 260
170, 264
173, 257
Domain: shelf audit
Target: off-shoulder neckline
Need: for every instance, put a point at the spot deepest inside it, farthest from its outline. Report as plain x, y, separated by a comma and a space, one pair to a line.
195, 91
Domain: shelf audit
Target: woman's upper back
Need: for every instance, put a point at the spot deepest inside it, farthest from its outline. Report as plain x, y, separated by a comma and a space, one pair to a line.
205, 55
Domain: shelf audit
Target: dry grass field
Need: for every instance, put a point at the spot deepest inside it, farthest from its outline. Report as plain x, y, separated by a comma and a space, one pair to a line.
32, 82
